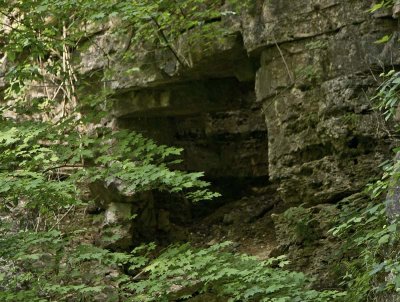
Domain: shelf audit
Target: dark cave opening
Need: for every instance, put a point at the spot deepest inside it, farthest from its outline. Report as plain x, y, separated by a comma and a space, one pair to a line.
221, 129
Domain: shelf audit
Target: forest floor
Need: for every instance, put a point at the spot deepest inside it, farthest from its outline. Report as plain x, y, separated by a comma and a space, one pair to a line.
247, 223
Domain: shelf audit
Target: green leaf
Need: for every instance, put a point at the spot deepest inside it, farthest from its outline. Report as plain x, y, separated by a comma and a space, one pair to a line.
376, 7
384, 39
384, 239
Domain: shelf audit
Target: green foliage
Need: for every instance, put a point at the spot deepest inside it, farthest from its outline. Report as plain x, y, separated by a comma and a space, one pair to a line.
380, 5
32, 158
236, 277
55, 143
48, 266
371, 251
384, 39
369, 255
388, 94
44, 27
59, 134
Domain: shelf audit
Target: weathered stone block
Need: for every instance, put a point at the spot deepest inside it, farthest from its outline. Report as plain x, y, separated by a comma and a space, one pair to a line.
324, 143
281, 21
183, 99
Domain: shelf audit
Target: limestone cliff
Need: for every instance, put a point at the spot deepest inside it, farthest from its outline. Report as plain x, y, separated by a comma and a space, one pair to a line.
277, 113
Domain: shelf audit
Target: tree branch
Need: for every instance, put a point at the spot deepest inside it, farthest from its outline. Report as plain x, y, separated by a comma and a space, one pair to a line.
164, 37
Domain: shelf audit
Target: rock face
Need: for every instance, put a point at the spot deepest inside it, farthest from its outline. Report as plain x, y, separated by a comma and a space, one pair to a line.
323, 134
283, 99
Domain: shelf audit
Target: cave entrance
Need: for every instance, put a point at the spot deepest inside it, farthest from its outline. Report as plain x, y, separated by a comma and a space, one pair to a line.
216, 121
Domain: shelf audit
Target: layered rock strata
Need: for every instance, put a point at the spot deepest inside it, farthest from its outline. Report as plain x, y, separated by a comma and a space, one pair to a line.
283, 99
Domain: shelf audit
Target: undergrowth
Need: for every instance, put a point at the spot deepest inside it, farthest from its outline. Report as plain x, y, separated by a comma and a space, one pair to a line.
48, 266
